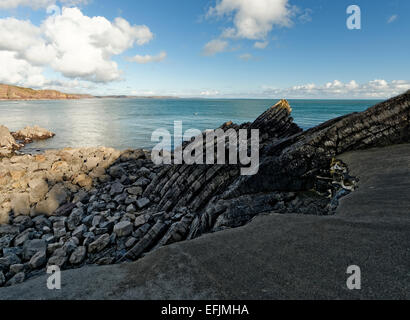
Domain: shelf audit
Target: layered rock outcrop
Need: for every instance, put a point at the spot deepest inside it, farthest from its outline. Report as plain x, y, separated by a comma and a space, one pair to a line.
13, 141
101, 206
30, 134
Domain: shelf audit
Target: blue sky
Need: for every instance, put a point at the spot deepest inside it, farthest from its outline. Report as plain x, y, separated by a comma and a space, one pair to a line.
305, 48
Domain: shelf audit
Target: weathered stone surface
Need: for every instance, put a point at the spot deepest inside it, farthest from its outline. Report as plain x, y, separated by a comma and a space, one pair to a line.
83, 181
55, 197
8, 260
38, 189
7, 143
4, 216
136, 191
131, 208
142, 203
23, 237
59, 258
16, 268
8, 230
116, 188
75, 218
123, 228
141, 220
29, 134
2, 279
24, 221
116, 171
99, 244
79, 231
78, 255
18, 278
38, 260
20, 204
31, 247
148, 240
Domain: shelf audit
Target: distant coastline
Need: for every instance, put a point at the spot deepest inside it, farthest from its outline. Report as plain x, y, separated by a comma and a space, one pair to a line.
135, 97
9, 92
15, 93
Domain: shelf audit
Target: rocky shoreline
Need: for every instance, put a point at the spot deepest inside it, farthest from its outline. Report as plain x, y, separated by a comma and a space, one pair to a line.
75, 207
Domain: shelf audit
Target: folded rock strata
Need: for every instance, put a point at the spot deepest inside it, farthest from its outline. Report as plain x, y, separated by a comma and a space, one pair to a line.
102, 206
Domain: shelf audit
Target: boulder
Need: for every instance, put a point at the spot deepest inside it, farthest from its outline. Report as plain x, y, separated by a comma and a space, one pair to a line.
7, 229
55, 198
23, 237
16, 268
141, 220
79, 231
8, 260
38, 189
59, 258
142, 203
116, 172
24, 221
38, 260
29, 134
131, 208
123, 228
83, 181
31, 247
135, 191
75, 218
20, 204
116, 188
78, 255
7, 143
99, 244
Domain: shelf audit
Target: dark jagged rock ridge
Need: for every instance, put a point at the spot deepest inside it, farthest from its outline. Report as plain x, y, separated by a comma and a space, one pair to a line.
114, 207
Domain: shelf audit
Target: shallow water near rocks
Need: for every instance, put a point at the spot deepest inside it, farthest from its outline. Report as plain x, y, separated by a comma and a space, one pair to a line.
129, 123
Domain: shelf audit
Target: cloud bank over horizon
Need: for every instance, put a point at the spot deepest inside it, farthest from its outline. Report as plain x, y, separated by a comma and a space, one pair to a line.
374, 89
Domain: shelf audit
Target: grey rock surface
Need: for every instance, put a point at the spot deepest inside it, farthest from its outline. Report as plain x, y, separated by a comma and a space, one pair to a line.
275, 256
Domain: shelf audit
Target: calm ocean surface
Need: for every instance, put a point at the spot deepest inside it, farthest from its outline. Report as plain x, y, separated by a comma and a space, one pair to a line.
129, 123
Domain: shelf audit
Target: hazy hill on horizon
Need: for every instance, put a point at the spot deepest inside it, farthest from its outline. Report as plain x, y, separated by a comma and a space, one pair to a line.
10, 92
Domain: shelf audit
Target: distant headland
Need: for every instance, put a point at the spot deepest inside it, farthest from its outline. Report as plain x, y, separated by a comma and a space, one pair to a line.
9, 92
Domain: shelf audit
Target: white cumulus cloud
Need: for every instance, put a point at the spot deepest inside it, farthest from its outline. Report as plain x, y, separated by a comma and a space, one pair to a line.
148, 58
73, 44
214, 46
19, 72
253, 19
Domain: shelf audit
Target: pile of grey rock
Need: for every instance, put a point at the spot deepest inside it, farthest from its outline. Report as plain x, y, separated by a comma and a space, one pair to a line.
98, 226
